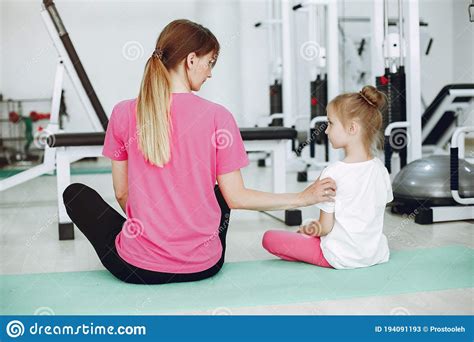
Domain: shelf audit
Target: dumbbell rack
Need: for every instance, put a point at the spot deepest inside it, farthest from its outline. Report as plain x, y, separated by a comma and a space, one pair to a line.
14, 142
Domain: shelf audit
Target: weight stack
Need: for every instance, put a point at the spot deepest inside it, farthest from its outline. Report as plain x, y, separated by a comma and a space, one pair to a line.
276, 102
319, 101
394, 87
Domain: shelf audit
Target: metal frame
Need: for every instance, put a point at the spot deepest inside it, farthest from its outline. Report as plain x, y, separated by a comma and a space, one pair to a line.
314, 8
457, 152
64, 64
287, 64
49, 159
332, 49
447, 105
411, 26
465, 209
71, 71
273, 24
65, 156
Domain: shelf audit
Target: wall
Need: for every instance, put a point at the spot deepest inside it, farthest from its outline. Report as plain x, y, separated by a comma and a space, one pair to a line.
102, 30
463, 51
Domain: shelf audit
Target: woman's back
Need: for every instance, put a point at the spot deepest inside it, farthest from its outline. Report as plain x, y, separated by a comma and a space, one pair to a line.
173, 209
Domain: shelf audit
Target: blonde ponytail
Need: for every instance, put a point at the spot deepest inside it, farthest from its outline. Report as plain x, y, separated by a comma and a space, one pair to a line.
153, 113
178, 39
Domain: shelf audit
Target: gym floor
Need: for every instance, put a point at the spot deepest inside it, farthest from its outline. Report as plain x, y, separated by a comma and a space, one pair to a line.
29, 244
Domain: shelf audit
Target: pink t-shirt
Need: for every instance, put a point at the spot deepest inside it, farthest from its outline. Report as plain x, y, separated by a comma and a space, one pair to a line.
172, 213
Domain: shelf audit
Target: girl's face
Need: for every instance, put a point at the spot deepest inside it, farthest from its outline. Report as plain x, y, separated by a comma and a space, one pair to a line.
199, 69
338, 136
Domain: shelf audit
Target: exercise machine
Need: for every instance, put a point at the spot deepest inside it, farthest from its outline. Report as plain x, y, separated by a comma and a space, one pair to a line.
397, 67
68, 62
439, 187
273, 26
393, 84
321, 51
440, 118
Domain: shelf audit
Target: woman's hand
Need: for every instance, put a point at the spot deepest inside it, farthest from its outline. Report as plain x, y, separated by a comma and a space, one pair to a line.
320, 191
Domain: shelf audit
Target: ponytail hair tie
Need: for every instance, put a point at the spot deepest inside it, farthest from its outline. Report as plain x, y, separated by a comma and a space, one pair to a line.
158, 53
366, 99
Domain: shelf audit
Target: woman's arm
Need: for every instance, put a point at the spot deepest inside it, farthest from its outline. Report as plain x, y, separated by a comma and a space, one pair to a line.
120, 180
238, 196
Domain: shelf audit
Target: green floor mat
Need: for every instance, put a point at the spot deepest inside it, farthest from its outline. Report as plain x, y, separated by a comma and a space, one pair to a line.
249, 283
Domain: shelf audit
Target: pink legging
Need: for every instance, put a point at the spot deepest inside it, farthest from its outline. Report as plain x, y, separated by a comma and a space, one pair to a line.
294, 246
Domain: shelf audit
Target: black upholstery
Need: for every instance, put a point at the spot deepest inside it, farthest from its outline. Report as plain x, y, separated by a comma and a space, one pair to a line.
97, 139
268, 133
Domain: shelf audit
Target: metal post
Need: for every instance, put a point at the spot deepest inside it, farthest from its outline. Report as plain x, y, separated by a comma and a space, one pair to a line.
332, 62
376, 43
92, 115
413, 71
288, 72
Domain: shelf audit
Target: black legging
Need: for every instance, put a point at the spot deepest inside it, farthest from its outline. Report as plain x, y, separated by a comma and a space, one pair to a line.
100, 223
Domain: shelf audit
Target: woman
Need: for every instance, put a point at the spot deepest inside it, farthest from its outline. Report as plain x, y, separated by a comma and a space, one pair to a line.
168, 148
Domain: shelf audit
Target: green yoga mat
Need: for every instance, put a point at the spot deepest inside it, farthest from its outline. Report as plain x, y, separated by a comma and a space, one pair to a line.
249, 283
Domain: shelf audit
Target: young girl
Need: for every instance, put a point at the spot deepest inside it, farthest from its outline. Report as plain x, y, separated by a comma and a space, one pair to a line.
348, 233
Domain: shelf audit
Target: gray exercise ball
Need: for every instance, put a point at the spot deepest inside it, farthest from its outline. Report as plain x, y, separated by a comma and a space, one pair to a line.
428, 179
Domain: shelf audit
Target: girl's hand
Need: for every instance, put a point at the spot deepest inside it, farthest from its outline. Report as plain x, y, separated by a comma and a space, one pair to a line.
320, 191
313, 228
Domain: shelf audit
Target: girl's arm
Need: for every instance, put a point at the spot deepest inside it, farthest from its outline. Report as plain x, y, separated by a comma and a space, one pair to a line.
320, 227
238, 196
327, 222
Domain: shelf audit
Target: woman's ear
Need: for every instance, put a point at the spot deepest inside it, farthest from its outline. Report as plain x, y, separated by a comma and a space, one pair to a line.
191, 60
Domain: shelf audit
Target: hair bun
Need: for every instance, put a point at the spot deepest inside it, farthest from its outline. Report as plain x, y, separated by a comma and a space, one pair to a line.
375, 97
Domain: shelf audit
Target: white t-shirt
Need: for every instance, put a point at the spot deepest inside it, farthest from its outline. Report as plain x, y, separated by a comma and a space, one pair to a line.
363, 190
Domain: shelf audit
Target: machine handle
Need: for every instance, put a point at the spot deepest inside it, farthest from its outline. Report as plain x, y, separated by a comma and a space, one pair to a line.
457, 151
297, 7
388, 153
454, 168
